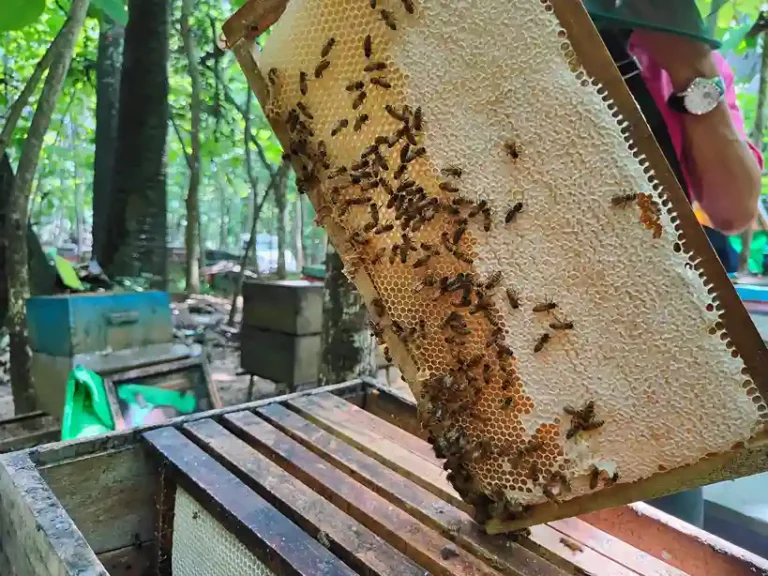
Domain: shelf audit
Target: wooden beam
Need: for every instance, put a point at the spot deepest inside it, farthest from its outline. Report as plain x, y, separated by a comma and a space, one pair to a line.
435, 511
270, 536
352, 542
368, 504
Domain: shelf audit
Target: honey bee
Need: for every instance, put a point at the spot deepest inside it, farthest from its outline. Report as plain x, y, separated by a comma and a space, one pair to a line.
384, 229
550, 495
512, 149
387, 355
404, 152
376, 67
544, 307
361, 120
422, 261
514, 301
451, 171
400, 171
381, 82
479, 207
304, 110
355, 86
327, 47
594, 477
373, 184
408, 5
417, 153
273, 76
389, 19
448, 187
406, 132
417, 119
303, 83
623, 199
571, 545
359, 99
321, 67
368, 46
388, 107
513, 212
487, 219
558, 325
378, 307
463, 256
393, 253
458, 233
543, 339
493, 280
340, 125
503, 351
378, 256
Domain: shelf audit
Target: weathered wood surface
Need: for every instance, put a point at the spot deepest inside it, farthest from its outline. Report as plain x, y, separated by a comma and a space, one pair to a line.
349, 540
275, 540
37, 537
365, 431
426, 546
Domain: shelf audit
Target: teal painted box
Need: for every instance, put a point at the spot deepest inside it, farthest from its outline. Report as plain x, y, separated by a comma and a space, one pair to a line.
82, 323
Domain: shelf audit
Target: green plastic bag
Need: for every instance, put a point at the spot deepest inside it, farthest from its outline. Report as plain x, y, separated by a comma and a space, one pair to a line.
86, 406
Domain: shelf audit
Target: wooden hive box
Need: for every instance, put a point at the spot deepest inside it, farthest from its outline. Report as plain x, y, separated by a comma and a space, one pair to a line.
332, 481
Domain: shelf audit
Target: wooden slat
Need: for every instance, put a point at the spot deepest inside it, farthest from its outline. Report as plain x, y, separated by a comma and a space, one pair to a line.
37, 537
350, 541
345, 423
270, 536
432, 510
424, 545
357, 427
614, 548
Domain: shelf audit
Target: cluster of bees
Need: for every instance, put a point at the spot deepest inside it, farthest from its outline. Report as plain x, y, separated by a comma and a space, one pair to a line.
383, 170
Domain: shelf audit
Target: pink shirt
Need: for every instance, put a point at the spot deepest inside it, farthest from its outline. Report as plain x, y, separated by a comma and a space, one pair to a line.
660, 87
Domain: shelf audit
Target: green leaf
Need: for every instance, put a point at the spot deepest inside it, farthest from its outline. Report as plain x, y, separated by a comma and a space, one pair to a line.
17, 14
115, 9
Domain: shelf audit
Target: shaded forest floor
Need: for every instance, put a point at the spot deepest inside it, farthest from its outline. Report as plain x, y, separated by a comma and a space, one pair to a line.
201, 319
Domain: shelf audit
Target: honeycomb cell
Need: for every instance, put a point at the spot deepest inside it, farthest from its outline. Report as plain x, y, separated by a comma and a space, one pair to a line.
417, 181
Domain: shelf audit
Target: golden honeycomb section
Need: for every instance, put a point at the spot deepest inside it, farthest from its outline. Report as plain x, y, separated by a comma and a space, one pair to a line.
517, 257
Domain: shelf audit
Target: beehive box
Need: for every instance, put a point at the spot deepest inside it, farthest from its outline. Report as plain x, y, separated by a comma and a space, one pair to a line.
333, 481
525, 251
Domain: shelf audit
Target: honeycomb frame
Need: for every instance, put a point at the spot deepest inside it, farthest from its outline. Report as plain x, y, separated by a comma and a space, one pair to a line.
663, 204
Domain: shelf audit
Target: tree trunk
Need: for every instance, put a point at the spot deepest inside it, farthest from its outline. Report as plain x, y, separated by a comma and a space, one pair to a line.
758, 131
348, 349
18, 206
136, 241
280, 201
77, 193
298, 230
108, 65
192, 235
42, 276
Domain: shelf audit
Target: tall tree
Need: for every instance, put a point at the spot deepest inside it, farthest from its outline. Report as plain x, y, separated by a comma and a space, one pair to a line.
192, 233
136, 240
108, 65
348, 349
18, 207
280, 204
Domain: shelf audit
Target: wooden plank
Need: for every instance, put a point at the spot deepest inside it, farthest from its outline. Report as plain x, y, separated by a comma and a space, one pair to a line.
433, 511
356, 545
354, 426
110, 496
37, 536
165, 504
612, 547
424, 545
679, 544
270, 536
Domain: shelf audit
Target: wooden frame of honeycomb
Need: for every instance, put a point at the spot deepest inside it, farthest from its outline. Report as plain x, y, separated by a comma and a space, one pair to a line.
429, 135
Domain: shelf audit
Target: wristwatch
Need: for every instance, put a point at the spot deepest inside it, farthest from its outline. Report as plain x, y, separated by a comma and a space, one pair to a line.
701, 96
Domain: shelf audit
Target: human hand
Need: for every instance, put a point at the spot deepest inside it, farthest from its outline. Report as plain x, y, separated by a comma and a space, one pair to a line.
684, 59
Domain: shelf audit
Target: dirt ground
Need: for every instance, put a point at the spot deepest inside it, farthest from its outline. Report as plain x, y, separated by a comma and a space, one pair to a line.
202, 320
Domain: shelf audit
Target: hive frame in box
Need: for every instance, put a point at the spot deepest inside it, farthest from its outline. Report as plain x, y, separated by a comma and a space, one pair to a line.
43, 511
256, 16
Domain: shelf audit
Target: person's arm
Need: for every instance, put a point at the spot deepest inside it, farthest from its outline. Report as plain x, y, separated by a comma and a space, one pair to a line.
724, 170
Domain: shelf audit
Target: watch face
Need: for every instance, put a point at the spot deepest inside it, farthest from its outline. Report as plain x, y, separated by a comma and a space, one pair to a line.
703, 95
